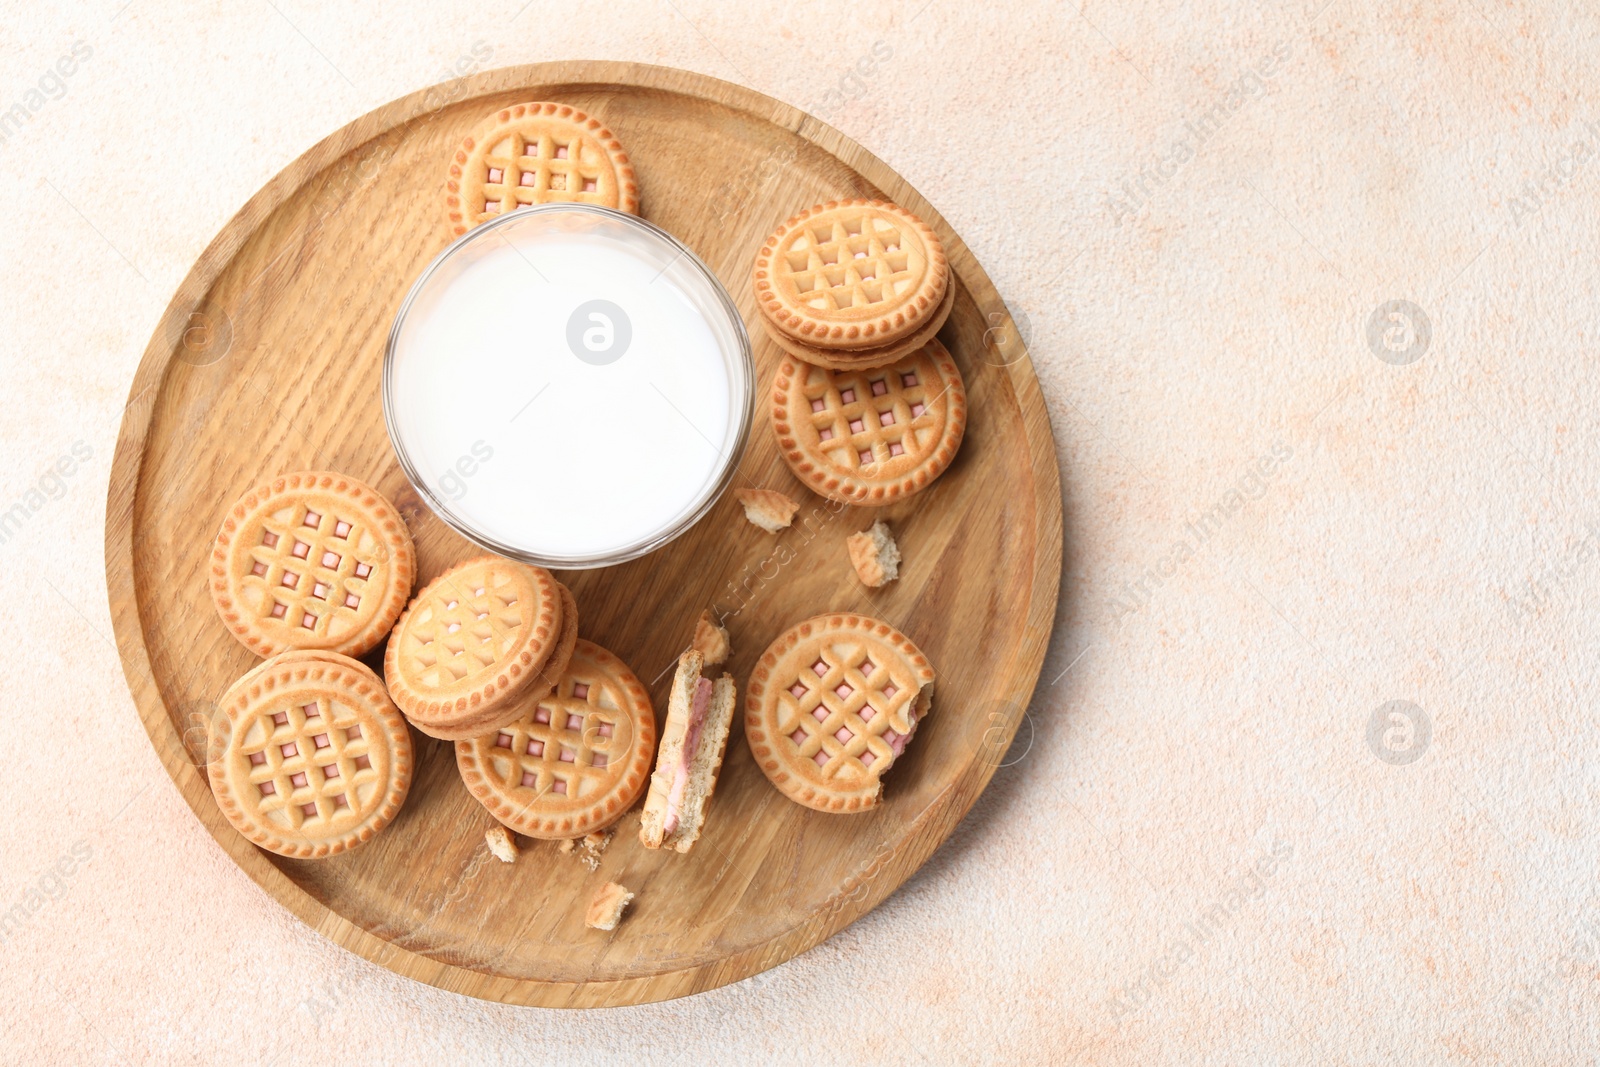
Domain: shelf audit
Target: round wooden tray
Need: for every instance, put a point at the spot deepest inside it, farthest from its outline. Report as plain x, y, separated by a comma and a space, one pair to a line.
268, 360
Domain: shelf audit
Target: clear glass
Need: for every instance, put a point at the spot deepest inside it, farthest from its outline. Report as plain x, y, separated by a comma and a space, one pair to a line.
568, 385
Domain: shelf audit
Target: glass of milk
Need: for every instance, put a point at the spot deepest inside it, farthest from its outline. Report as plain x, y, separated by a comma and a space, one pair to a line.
568, 385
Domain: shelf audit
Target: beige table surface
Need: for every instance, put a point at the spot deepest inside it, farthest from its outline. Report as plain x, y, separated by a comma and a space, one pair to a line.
1195, 853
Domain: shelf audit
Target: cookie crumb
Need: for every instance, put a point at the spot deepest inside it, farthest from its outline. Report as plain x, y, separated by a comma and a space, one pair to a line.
711, 640
588, 847
501, 843
767, 508
605, 910
875, 555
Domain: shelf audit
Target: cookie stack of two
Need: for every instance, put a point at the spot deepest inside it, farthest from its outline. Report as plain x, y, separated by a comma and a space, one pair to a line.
478, 643
553, 734
853, 284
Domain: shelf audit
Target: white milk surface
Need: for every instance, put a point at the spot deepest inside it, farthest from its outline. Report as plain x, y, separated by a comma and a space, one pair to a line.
524, 442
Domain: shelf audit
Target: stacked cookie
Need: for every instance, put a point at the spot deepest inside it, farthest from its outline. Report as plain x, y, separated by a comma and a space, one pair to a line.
475, 641
309, 754
867, 406
852, 284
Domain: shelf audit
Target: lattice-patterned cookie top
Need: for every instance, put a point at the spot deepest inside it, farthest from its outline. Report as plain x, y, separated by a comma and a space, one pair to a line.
311, 560
870, 436
575, 759
475, 635
537, 153
311, 757
830, 707
851, 273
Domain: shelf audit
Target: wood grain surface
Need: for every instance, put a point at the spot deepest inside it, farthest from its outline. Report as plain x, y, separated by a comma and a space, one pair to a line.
269, 359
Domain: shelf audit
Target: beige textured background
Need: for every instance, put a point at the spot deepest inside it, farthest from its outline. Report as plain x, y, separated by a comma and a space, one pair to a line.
1195, 853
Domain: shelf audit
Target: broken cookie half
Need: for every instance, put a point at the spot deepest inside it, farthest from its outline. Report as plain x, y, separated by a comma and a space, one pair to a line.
699, 715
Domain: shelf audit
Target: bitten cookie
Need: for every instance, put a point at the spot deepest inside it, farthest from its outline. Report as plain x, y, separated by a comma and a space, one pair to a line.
830, 707
699, 714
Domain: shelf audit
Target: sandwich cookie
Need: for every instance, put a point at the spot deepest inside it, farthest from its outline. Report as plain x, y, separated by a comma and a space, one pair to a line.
306, 655
699, 714
870, 437
312, 559
881, 355
538, 153
218, 728
572, 761
473, 641
566, 645
858, 281
310, 757
831, 706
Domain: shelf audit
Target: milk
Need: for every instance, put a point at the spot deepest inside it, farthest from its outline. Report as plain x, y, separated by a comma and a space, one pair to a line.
569, 386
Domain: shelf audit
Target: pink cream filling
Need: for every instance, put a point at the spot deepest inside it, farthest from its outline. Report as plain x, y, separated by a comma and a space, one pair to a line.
698, 706
897, 741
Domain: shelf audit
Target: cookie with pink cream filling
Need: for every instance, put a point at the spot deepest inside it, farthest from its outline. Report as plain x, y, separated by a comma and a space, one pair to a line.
311, 560
870, 437
536, 153
699, 715
472, 643
571, 761
831, 706
308, 756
